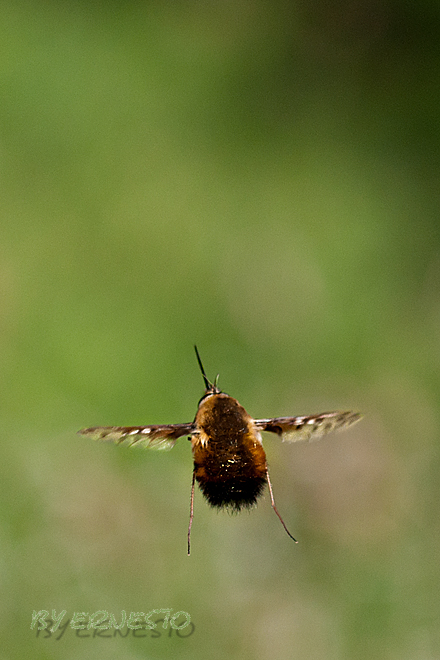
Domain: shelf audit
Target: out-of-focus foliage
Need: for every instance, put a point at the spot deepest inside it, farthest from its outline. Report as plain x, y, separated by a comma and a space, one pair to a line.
261, 178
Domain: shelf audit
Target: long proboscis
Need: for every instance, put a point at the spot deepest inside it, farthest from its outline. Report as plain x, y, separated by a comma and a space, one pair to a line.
209, 385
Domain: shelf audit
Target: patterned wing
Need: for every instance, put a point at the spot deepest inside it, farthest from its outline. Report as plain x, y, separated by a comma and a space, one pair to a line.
151, 437
312, 427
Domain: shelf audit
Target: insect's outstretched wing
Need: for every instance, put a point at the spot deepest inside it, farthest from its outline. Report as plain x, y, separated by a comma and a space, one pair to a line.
152, 437
312, 427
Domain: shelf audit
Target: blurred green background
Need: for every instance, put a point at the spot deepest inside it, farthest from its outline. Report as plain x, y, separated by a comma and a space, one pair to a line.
262, 179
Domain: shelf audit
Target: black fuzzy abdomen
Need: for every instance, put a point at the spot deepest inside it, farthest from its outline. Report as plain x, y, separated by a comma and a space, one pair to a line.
231, 478
233, 494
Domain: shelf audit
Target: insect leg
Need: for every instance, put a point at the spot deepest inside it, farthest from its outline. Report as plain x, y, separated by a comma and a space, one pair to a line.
191, 512
275, 508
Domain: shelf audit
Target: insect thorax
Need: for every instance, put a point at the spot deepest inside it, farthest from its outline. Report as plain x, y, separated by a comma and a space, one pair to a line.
222, 419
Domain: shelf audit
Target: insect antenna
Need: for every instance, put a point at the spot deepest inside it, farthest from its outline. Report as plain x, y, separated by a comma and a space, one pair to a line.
275, 508
209, 386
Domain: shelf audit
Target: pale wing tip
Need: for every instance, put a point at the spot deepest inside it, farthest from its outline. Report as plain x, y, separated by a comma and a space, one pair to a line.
354, 418
98, 433
84, 432
313, 428
341, 422
345, 419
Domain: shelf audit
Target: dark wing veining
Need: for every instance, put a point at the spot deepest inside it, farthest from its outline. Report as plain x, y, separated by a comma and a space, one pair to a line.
149, 437
310, 427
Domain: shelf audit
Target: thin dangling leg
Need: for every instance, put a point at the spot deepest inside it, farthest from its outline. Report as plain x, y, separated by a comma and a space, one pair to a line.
275, 508
191, 513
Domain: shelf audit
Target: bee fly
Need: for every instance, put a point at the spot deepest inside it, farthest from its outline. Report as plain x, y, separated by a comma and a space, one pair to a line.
229, 460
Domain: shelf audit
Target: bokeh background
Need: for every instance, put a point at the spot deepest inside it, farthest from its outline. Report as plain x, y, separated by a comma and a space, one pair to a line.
262, 179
